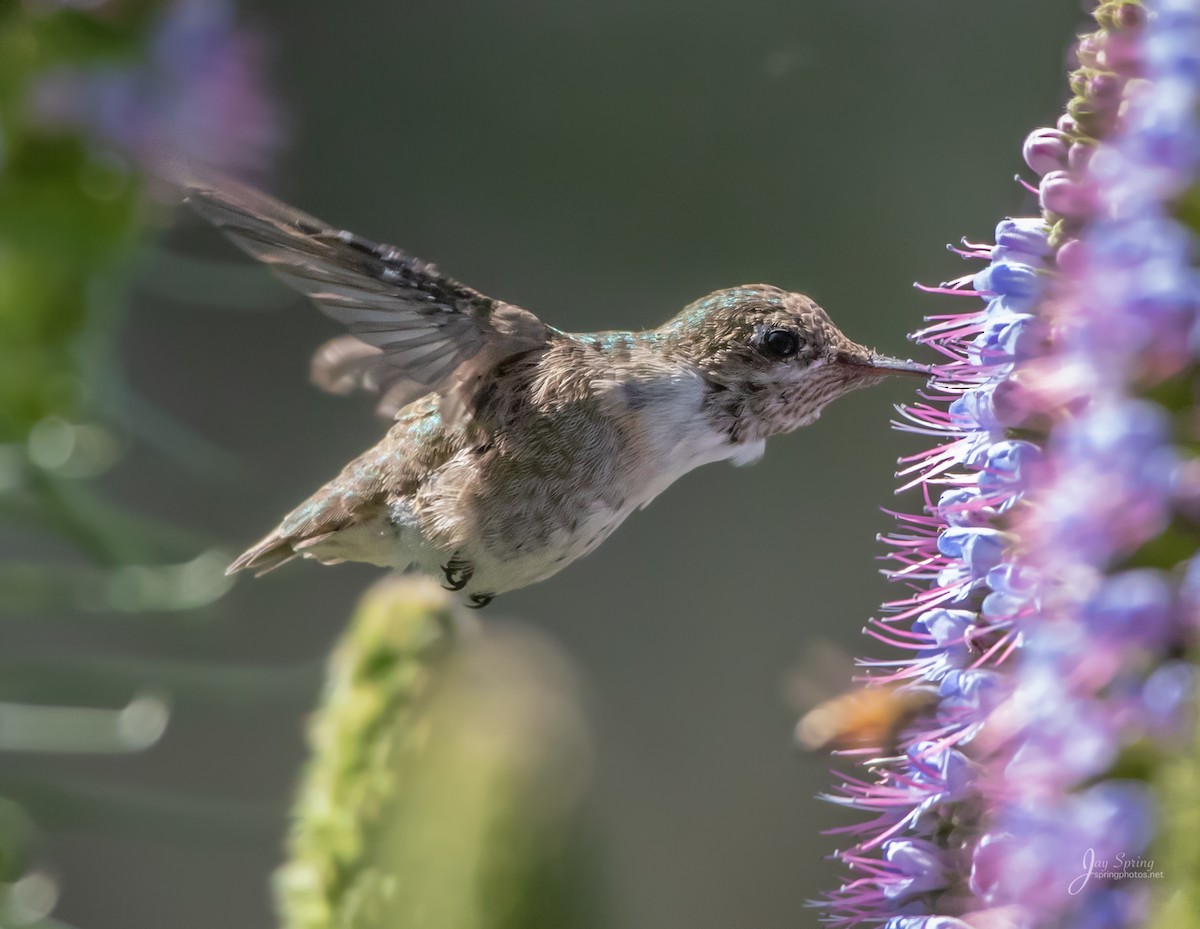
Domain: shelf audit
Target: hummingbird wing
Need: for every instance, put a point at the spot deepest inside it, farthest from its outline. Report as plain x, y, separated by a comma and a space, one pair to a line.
413, 330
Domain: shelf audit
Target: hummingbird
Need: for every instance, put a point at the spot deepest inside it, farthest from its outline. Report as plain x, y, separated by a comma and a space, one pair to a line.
516, 448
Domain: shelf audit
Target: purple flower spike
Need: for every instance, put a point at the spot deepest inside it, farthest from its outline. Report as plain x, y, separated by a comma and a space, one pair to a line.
914, 868
1052, 580
1096, 673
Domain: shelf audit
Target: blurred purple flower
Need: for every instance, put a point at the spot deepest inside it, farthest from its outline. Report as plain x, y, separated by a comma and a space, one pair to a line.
196, 95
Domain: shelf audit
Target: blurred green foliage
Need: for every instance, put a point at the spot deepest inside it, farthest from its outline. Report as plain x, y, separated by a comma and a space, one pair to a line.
66, 217
1176, 851
68, 212
72, 209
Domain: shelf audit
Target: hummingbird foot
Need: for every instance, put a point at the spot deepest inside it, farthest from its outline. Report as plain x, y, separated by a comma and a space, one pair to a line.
479, 601
458, 572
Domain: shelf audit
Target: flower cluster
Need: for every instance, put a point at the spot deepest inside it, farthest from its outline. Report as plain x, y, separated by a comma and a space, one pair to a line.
197, 94
1054, 538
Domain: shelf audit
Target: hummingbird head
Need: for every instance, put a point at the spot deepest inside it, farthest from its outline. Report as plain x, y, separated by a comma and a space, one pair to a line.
773, 359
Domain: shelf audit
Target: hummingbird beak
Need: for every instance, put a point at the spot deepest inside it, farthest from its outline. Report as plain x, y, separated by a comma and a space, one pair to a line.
872, 363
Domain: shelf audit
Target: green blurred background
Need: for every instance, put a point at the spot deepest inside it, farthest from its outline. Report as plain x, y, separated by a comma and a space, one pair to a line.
601, 163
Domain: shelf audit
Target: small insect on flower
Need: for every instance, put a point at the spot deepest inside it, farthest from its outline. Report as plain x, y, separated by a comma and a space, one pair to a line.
869, 718
866, 719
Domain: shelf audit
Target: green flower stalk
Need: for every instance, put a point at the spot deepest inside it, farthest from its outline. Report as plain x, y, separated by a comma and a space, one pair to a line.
448, 765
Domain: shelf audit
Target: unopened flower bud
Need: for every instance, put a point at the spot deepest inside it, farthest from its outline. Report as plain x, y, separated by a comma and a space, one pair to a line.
1065, 195
1045, 151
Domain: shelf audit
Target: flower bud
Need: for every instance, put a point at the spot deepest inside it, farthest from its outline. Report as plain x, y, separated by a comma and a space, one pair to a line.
1067, 196
1045, 151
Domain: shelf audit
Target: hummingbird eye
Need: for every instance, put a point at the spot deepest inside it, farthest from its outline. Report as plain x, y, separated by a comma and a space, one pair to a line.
780, 343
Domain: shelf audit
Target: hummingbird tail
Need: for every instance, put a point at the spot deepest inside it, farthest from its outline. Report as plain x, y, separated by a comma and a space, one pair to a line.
266, 556
276, 550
